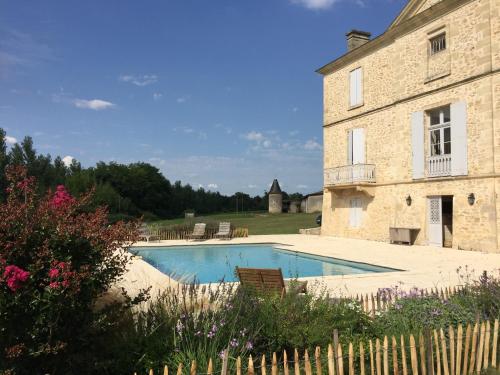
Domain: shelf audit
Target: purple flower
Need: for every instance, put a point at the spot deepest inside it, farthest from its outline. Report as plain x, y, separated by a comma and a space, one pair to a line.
233, 343
198, 333
398, 306
249, 345
210, 334
221, 354
435, 312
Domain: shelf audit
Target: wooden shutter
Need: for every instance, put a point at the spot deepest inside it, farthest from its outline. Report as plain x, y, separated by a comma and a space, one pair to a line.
349, 147
352, 88
358, 146
458, 114
417, 144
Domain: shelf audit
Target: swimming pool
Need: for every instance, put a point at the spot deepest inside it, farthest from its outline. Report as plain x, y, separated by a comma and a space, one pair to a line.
210, 264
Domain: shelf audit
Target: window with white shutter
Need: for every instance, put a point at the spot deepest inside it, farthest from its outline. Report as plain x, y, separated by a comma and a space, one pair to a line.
355, 212
356, 87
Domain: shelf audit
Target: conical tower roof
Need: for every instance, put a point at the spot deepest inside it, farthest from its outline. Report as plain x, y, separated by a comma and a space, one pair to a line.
275, 187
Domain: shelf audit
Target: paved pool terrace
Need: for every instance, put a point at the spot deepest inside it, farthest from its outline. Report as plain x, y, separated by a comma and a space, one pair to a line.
422, 266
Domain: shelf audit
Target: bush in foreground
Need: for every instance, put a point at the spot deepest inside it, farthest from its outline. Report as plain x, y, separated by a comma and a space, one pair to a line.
56, 259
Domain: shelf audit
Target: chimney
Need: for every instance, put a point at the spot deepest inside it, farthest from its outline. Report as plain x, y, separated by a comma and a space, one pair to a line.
356, 38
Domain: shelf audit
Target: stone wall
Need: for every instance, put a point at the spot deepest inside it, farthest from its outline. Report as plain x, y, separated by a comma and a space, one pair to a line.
275, 203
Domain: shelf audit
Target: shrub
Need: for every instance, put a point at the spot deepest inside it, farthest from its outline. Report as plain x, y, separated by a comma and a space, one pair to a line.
180, 326
56, 259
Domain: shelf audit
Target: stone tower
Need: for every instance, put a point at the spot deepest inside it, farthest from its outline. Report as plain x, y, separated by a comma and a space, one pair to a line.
275, 198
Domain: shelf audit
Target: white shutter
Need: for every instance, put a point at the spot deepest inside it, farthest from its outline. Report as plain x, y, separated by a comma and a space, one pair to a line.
458, 114
349, 147
358, 146
417, 144
359, 86
352, 88
355, 212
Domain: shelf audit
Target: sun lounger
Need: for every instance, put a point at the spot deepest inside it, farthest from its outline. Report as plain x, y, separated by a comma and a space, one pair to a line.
267, 280
198, 232
224, 231
145, 233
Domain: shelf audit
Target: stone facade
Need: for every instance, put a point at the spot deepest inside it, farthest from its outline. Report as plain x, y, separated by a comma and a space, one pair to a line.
402, 77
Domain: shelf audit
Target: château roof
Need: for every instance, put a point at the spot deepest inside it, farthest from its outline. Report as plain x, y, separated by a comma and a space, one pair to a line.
275, 188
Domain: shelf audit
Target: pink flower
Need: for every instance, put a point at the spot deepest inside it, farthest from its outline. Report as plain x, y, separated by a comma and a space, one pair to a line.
61, 197
53, 273
15, 277
54, 285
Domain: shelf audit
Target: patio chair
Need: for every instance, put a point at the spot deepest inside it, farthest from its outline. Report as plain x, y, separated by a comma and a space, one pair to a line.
145, 233
198, 232
224, 231
268, 280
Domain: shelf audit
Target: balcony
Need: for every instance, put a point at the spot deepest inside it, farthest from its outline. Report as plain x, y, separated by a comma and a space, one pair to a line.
350, 175
438, 166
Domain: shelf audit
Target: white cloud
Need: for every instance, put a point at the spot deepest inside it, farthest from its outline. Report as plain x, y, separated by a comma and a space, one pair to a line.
141, 80
182, 99
94, 104
254, 136
190, 131
252, 186
293, 133
311, 144
267, 143
302, 187
67, 160
157, 96
295, 109
10, 140
212, 186
315, 4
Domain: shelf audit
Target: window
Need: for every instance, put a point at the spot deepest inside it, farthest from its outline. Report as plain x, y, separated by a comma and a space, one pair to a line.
437, 43
356, 146
356, 87
440, 131
355, 212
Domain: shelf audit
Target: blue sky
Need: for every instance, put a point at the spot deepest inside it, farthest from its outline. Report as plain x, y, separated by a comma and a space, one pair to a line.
220, 94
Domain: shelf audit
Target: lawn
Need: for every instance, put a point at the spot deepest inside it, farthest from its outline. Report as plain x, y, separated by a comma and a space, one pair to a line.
256, 222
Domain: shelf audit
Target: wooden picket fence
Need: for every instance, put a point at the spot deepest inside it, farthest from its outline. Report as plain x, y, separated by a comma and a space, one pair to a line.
164, 233
381, 301
435, 352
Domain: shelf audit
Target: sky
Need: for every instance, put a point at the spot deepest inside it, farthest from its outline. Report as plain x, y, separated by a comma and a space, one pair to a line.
221, 94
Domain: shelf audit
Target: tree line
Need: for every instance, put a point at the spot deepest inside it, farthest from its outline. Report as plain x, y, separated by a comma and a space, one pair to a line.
132, 190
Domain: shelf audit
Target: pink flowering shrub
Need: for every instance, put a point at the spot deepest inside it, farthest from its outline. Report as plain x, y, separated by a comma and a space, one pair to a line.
57, 257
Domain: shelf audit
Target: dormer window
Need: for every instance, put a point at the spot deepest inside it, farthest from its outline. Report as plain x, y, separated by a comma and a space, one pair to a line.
437, 43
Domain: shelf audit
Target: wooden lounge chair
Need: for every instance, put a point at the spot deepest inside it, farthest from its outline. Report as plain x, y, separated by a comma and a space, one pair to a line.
198, 232
145, 233
224, 231
267, 280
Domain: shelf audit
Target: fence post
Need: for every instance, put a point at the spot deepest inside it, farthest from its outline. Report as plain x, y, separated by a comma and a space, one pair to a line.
250, 370
395, 356
331, 363
377, 357
351, 359
372, 364
317, 358
286, 371
262, 365
495, 343
361, 358
413, 355
487, 346
225, 359
336, 348
307, 363
274, 365
210, 367
296, 362
421, 344
428, 353
466, 349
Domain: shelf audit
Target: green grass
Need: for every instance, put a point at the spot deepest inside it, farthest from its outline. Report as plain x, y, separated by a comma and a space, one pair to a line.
256, 222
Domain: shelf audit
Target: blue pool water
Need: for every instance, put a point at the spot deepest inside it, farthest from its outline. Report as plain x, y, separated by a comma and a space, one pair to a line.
210, 264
